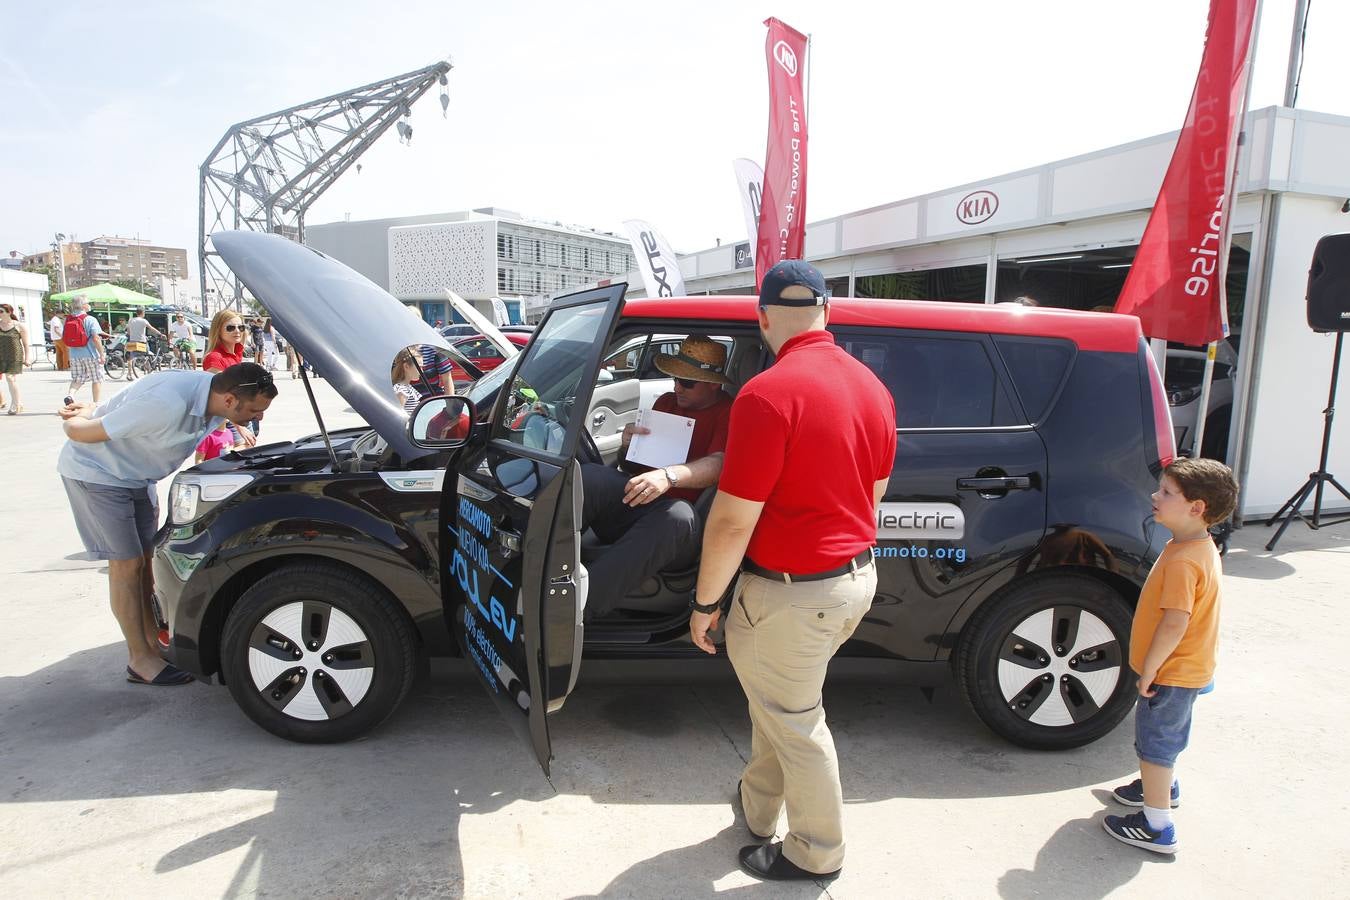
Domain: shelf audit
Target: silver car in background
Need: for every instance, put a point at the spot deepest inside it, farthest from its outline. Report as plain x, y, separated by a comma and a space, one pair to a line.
1185, 370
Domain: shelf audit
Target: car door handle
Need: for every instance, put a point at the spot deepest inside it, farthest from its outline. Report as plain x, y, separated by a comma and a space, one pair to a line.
598, 420
995, 483
509, 541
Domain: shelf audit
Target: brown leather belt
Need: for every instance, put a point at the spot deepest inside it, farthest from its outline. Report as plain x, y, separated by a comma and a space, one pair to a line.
861, 561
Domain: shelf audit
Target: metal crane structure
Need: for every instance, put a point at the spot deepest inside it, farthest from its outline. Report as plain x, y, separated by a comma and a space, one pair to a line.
266, 172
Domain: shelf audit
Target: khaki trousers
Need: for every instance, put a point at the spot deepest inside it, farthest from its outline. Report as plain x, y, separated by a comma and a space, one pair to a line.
62, 356
780, 638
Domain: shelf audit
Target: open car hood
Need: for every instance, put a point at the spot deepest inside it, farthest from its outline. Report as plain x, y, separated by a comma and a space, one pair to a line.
484, 325
340, 321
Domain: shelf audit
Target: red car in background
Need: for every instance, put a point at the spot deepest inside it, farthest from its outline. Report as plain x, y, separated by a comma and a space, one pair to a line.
482, 353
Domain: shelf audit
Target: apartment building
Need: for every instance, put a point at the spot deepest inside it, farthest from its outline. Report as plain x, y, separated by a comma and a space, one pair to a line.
118, 258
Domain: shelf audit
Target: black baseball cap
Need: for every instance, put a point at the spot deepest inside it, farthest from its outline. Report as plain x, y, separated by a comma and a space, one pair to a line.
791, 272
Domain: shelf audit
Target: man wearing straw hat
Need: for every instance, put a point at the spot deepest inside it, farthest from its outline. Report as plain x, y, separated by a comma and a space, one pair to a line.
648, 519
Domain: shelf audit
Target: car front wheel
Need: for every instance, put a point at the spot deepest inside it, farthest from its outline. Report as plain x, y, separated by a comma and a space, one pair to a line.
1046, 664
317, 654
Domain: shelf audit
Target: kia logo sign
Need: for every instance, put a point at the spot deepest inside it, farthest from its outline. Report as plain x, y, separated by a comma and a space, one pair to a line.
977, 207
786, 58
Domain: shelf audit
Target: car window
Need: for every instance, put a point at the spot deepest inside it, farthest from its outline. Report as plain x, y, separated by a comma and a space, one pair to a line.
936, 382
1038, 366
622, 359
481, 348
538, 409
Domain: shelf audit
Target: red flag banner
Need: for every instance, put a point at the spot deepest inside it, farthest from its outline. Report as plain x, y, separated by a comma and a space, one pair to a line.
1175, 285
782, 223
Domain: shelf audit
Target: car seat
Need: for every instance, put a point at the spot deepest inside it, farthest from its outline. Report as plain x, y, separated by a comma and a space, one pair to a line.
749, 357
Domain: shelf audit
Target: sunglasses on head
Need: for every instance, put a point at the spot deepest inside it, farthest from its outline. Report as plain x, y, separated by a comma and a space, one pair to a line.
264, 382
688, 383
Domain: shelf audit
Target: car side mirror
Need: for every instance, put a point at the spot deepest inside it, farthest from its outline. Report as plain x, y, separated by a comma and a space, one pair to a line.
605, 377
441, 423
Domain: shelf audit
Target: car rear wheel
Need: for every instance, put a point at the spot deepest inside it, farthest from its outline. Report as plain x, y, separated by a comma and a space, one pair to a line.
317, 654
1046, 665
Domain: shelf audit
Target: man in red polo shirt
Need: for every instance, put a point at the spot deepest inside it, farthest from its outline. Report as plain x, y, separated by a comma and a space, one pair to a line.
647, 519
810, 452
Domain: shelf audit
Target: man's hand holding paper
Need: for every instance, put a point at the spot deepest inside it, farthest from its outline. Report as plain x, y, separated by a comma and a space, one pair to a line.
660, 439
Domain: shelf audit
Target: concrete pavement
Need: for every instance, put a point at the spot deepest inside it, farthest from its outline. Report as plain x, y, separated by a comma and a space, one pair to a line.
110, 789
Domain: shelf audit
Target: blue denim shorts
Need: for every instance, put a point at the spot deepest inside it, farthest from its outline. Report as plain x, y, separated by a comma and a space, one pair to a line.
1162, 724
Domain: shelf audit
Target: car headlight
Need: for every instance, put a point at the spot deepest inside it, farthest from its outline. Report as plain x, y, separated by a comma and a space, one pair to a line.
193, 494
1182, 396
183, 502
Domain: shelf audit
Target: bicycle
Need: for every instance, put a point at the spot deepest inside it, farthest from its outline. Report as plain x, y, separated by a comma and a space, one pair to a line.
115, 362
180, 356
156, 357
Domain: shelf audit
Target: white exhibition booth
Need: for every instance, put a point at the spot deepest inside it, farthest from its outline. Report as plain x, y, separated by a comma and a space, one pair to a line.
1293, 188
24, 291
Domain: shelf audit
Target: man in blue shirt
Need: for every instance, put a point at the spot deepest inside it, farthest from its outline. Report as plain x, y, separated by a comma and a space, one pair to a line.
87, 359
116, 454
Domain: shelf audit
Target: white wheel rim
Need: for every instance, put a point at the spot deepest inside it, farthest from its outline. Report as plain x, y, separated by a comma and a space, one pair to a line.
310, 661
1059, 666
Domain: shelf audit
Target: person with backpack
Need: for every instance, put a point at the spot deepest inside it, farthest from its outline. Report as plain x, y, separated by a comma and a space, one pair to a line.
84, 339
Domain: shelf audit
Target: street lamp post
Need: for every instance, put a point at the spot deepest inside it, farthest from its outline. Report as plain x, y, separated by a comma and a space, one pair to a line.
60, 259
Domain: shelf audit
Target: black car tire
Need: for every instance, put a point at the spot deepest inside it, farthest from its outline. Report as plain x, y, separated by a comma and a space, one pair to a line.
1085, 625
335, 606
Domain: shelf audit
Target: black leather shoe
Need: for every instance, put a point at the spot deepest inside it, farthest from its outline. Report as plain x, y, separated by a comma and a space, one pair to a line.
767, 861
741, 804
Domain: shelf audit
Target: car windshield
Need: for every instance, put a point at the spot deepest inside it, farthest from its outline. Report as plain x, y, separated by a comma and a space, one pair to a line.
483, 391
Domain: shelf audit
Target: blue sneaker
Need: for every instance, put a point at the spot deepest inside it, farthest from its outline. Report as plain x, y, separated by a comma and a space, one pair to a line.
1133, 830
1132, 794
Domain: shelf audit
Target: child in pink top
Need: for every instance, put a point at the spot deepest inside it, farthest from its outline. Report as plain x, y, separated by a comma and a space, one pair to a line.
216, 443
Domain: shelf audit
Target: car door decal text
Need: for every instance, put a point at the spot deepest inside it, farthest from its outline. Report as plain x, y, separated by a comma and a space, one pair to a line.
470, 549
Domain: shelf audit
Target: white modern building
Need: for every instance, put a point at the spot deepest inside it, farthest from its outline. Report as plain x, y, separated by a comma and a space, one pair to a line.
24, 291
1065, 232
479, 254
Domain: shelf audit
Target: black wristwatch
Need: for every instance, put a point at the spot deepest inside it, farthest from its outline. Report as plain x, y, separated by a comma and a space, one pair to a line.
707, 609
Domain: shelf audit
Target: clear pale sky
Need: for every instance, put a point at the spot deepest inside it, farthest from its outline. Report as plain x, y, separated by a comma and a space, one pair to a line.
592, 113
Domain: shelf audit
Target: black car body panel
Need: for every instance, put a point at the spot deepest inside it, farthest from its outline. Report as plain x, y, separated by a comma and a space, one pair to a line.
1031, 458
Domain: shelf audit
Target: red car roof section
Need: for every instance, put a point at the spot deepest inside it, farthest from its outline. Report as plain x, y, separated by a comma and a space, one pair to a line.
1091, 331
515, 337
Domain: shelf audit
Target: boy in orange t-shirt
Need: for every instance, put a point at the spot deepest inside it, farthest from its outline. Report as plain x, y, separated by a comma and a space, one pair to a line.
1172, 644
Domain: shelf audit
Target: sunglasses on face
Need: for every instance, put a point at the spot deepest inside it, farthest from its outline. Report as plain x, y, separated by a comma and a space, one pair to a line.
233, 328
687, 383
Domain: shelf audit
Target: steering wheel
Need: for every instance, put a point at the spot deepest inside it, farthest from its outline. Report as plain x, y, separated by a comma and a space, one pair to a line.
588, 451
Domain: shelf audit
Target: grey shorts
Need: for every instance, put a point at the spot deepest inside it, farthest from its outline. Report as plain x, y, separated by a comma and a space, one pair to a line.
114, 522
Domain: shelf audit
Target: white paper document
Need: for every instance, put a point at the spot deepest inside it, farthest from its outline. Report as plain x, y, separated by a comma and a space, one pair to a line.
668, 443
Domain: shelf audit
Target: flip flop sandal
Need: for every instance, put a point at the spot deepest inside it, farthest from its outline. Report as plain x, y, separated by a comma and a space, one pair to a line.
169, 676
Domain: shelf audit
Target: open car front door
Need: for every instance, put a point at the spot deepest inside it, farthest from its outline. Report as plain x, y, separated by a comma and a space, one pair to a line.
513, 588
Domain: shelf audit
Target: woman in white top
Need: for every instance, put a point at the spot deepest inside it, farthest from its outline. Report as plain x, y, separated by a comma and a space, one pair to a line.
403, 373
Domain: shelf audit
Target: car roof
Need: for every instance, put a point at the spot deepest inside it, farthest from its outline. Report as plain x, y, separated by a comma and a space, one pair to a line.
1088, 330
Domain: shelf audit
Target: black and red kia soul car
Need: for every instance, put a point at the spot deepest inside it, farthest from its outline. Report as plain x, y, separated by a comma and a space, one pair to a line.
1011, 545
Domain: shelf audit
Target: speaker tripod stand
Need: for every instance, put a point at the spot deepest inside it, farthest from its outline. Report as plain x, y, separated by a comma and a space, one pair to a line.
1293, 507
